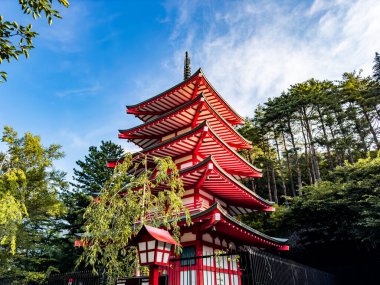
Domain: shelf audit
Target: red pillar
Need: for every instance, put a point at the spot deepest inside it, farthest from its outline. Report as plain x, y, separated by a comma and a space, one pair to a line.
153, 274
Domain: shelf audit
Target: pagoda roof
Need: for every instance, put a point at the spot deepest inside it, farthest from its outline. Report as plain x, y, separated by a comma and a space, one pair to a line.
188, 115
203, 141
212, 178
180, 94
217, 219
155, 233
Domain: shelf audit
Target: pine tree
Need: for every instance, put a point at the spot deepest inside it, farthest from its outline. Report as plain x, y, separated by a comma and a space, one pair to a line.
93, 171
376, 67
89, 179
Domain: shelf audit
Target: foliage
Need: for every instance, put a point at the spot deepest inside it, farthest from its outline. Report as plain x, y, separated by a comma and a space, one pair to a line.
128, 200
93, 171
88, 179
376, 67
15, 39
30, 208
310, 129
336, 220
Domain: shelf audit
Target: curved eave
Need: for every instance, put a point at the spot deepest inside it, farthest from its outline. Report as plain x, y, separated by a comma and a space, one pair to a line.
235, 153
247, 142
147, 140
239, 119
278, 243
256, 172
233, 117
156, 97
261, 202
244, 188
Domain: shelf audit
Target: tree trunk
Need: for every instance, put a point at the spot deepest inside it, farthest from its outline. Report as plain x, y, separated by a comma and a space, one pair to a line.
299, 174
325, 137
359, 129
274, 186
315, 163
372, 130
268, 184
289, 167
280, 167
338, 155
253, 184
345, 134
309, 172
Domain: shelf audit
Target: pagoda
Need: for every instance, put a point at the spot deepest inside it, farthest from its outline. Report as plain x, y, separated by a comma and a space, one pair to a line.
194, 125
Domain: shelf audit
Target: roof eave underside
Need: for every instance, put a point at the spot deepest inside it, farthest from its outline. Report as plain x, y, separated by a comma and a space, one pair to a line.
240, 118
228, 130
264, 203
146, 102
237, 118
194, 131
217, 206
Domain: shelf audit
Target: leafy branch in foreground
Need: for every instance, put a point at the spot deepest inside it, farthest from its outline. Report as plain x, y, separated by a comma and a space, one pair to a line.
15, 39
126, 203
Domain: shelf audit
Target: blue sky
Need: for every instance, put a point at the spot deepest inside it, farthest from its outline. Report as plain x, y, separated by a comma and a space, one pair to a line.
105, 54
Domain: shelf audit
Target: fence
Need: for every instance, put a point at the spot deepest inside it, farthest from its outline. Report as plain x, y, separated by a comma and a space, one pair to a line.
244, 268
260, 267
77, 278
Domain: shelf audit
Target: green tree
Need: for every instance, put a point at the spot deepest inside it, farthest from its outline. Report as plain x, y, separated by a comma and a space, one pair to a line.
336, 223
88, 179
93, 171
30, 208
15, 39
376, 67
126, 202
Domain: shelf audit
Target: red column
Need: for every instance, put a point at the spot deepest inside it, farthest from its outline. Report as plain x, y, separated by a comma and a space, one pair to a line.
153, 274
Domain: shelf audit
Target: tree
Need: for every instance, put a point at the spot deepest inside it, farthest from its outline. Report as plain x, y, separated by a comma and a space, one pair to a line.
30, 208
376, 67
126, 202
88, 179
93, 171
15, 39
336, 223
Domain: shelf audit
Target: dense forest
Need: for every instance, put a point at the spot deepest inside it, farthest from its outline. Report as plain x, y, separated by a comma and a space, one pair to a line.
318, 147
317, 143
312, 128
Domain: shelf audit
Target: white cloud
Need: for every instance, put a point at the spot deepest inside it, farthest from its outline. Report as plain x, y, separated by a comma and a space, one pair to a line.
85, 91
254, 50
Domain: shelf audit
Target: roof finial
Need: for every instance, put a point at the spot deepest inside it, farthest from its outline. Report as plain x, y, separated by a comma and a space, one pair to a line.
187, 69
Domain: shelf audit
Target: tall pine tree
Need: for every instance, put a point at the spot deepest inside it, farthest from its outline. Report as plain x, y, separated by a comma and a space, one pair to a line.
93, 171
376, 67
88, 179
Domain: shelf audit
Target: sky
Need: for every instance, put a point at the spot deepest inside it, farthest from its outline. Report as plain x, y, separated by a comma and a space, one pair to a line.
105, 54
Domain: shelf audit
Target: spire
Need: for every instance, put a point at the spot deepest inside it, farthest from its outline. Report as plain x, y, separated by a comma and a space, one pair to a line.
187, 69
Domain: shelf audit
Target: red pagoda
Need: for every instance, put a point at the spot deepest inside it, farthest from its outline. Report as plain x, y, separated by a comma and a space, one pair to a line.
194, 125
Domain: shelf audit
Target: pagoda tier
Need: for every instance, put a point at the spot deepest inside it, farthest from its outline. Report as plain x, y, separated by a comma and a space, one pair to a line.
192, 124
216, 228
194, 146
206, 183
181, 94
179, 120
